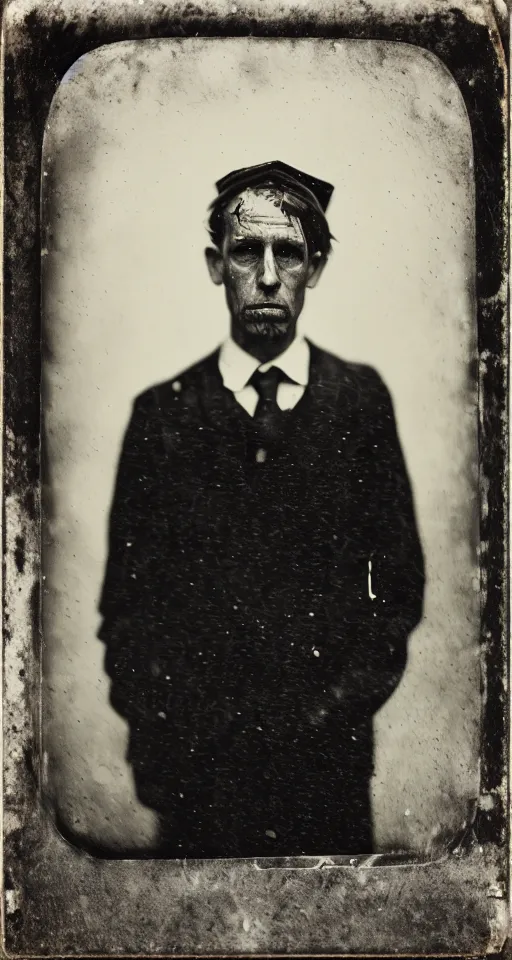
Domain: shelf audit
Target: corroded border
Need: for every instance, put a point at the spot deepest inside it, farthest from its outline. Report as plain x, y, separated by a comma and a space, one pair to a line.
59, 900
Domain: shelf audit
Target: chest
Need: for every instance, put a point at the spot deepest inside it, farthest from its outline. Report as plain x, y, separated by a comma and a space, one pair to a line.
245, 526
224, 482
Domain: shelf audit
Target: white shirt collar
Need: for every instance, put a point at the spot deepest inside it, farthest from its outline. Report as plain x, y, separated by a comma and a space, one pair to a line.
237, 366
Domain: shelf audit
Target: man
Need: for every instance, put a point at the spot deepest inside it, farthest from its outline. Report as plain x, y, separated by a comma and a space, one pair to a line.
264, 568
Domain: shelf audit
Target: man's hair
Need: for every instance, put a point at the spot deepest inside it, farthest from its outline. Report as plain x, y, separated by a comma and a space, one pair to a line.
313, 220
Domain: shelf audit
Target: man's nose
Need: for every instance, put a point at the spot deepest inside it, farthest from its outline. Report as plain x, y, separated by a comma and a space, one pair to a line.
269, 277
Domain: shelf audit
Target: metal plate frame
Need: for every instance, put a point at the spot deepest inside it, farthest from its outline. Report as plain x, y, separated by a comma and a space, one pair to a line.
59, 900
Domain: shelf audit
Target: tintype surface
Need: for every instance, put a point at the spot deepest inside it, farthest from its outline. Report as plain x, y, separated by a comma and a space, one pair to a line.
397, 801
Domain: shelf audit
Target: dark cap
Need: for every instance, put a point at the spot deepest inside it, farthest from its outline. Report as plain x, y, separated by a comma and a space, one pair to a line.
278, 174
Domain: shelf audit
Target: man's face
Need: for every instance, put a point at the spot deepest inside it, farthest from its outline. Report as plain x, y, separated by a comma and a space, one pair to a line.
264, 266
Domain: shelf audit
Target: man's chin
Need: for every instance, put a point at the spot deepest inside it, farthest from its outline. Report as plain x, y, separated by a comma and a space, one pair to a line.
267, 329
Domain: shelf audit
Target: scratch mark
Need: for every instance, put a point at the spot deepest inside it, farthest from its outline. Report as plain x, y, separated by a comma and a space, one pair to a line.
370, 592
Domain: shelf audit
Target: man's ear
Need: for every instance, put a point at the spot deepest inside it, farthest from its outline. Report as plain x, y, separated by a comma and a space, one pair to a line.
215, 264
315, 266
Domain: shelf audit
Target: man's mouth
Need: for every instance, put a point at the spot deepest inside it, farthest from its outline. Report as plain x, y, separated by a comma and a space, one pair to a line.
266, 311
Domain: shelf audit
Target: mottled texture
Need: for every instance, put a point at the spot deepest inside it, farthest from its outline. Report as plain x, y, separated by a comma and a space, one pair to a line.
242, 908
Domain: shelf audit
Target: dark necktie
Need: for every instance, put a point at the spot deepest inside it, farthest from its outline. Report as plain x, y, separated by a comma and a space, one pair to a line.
268, 416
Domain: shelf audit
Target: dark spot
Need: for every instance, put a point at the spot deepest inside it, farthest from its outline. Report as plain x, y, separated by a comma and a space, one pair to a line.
19, 554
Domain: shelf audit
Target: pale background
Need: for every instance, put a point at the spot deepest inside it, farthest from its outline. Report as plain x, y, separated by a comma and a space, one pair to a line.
137, 135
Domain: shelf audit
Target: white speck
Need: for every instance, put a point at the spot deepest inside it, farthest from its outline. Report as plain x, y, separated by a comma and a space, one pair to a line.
334, 537
192, 750
311, 614
176, 385
354, 738
235, 606
353, 861
182, 795
128, 543
162, 715
200, 654
246, 924
167, 678
44, 252
261, 455
134, 576
259, 728
407, 813
271, 833
45, 174
371, 594
316, 653
292, 644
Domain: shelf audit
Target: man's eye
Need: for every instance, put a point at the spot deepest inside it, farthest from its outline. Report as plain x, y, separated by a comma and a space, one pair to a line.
246, 252
288, 253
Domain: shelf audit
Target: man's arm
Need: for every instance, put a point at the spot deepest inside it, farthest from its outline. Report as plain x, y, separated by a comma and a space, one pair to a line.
373, 653
124, 603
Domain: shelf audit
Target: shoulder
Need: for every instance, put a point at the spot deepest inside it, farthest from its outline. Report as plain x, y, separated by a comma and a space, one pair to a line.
185, 386
359, 379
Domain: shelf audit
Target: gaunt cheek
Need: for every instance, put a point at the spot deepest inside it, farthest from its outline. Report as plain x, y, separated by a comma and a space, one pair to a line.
293, 276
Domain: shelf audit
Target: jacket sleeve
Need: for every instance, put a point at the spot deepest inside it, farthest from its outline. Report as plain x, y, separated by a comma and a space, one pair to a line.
124, 604
387, 563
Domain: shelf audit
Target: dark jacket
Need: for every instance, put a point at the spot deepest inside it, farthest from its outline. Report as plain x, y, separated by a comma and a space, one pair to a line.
247, 647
